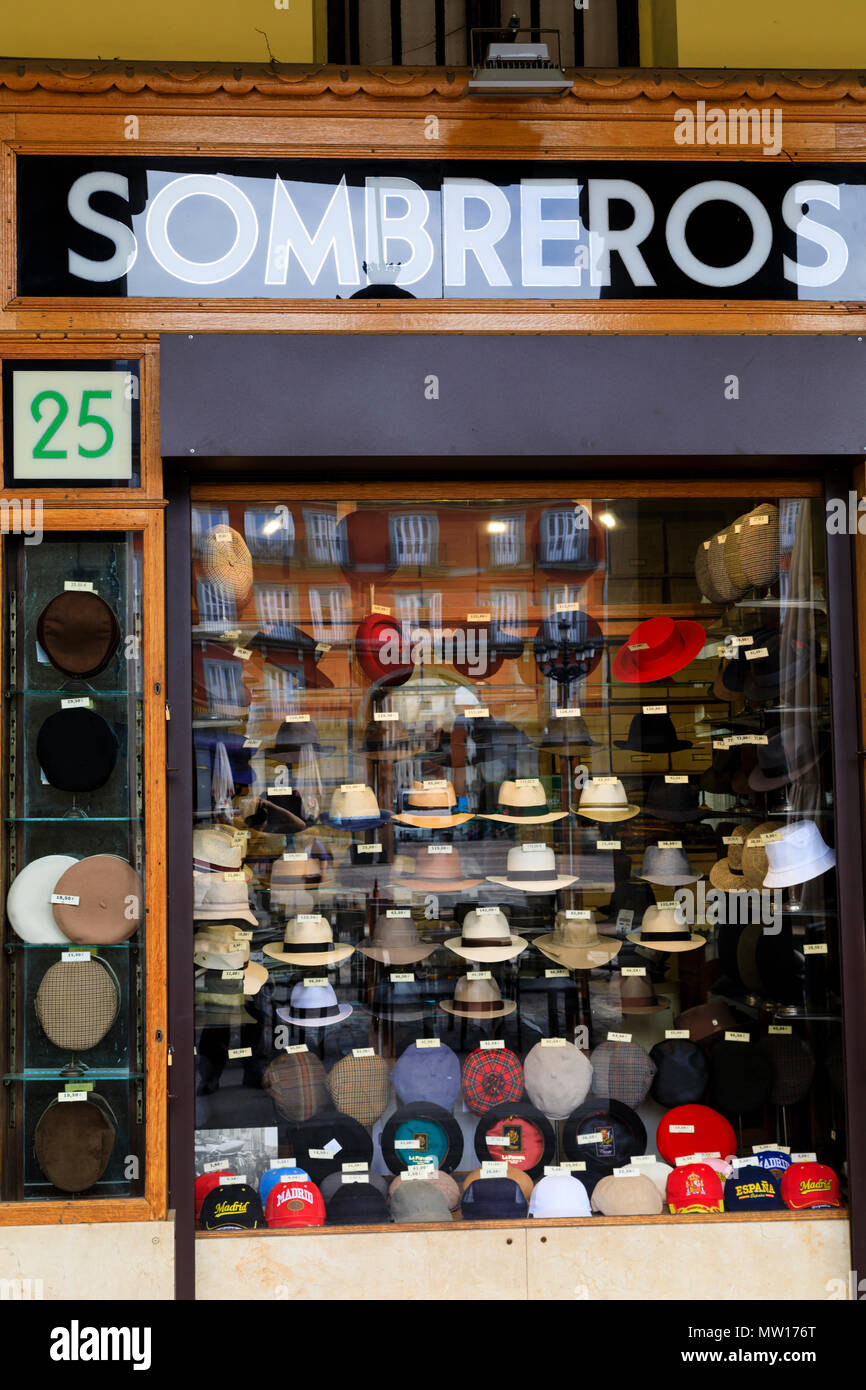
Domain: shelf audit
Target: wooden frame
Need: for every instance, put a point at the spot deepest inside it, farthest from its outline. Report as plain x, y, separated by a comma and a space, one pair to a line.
152, 1206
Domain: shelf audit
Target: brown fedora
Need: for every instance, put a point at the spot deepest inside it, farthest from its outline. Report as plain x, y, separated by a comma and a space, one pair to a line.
107, 905
79, 633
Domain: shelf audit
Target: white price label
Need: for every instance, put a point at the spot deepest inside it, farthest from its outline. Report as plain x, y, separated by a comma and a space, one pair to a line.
804, 1158
566, 712
427, 1042
491, 1045
296, 719
596, 1138
534, 847
573, 1165
629, 970
369, 849
315, 982
572, 607
478, 975
418, 1172
353, 786
619, 1037
243, 653
354, 1167
477, 712
363, 1052
655, 709
403, 977
281, 790
556, 975
235, 1053
295, 857
386, 716
397, 912
252, 743
298, 1047
676, 778
490, 1168
231, 974
670, 844
440, 849
234, 1180
815, 948
486, 911
435, 784
780, 1030
762, 519
71, 1095
677, 1033
682, 1129
757, 653
554, 1042
78, 586
407, 1143
603, 781
65, 899
381, 608
78, 702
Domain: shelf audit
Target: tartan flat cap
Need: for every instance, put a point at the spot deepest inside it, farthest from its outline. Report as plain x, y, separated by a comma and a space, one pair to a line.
360, 1087
622, 1071
297, 1085
491, 1077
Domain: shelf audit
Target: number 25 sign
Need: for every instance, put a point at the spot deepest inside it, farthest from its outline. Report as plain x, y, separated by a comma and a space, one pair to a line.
73, 424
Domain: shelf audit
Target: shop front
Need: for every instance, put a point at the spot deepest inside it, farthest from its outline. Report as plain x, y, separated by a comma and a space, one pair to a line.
433, 848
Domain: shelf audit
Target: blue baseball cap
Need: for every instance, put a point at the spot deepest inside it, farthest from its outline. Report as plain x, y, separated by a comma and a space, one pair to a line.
273, 1176
493, 1199
753, 1188
427, 1073
774, 1159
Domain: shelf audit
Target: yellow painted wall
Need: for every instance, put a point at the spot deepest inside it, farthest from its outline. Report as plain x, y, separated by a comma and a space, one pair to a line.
770, 33
168, 30
657, 23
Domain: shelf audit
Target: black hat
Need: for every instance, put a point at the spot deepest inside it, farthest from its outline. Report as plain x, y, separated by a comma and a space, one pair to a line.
566, 731
784, 664
77, 750
357, 1204
430, 1129
652, 733
236, 1207
531, 1140
330, 1185
352, 1143
294, 735
621, 1128
673, 801
741, 1076
271, 819
793, 1063
682, 1072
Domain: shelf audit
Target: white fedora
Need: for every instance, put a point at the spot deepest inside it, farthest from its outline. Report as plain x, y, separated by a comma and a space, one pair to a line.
221, 898
797, 856
28, 902
314, 1006
219, 846
604, 799
532, 869
575, 942
486, 935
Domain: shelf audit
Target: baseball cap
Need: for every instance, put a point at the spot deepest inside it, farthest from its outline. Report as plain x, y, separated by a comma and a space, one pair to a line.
694, 1187
774, 1159
627, 1196
428, 1073
559, 1196
297, 1202
233, 1208
753, 1188
493, 1199
357, 1204
272, 1176
810, 1185
418, 1201
206, 1183
689, 1129
530, 1138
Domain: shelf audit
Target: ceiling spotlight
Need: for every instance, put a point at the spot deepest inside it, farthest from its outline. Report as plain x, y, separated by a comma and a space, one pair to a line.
516, 68
607, 519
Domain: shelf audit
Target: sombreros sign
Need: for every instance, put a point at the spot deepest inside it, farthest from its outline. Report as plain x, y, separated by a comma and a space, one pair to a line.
302, 229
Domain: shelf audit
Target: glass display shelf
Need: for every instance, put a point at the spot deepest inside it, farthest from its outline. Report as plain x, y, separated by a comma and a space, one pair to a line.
71, 946
66, 1079
64, 693
75, 819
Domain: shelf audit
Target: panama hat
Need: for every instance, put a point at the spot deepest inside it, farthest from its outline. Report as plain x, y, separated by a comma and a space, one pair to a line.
727, 874
486, 936
531, 1139
220, 947
78, 632
660, 931
395, 940
754, 858
219, 847
73, 1144
77, 750
703, 576
227, 562
631, 1195
604, 799
314, 1006
378, 647
432, 805
77, 1002
28, 902
669, 867
557, 1079
575, 943
295, 871
218, 897
568, 648
437, 869
658, 647
532, 869
758, 546
220, 996
652, 733
523, 802
308, 940
108, 900
637, 996
354, 807
798, 856
477, 999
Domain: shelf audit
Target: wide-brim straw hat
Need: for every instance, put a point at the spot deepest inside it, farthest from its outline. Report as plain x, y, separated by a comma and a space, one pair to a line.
395, 941
605, 801
575, 943
660, 931
517, 866
478, 999
303, 932
314, 1006
755, 861
486, 937
523, 802
759, 546
227, 562
728, 877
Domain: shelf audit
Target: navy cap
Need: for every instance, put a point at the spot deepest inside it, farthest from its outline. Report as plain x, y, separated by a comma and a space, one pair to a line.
776, 1160
232, 1208
753, 1188
357, 1204
493, 1199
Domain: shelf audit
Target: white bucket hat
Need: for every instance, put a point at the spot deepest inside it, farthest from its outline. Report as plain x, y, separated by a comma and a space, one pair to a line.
604, 799
524, 802
667, 866
28, 902
220, 899
799, 855
314, 1006
308, 940
532, 869
660, 931
486, 936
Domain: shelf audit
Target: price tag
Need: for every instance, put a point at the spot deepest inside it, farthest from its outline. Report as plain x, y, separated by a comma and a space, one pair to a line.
619, 1037
320, 1153
642, 1161
402, 977
369, 849
234, 1180
284, 1163
572, 607
235, 1053
296, 719
477, 712
242, 935
71, 1095
355, 1177
706, 545
436, 784
354, 1167
234, 876
780, 1030
736, 1037
78, 586
633, 970
638, 646
353, 786
677, 1033
670, 844
418, 1172
380, 608
577, 914
624, 918
534, 847
770, 1148
655, 709
554, 1042
815, 948
595, 1138
804, 1158
564, 712
440, 849
669, 905
67, 899
77, 702
385, 716
608, 844
721, 743
478, 975
405, 1144
676, 778
490, 1168
556, 975
681, 1129
491, 1045
252, 743
526, 782
363, 1052
397, 912
307, 918
757, 653
478, 617
498, 1141
298, 1047
214, 1167
282, 790
554, 1171
323, 647
243, 653
486, 911
771, 838
295, 857
573, 1166
231, 974
761, 519
628, 1171
315, 981
603, 781
427, 1042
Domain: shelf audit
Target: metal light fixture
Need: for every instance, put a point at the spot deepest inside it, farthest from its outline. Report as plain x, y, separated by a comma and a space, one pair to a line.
516, 68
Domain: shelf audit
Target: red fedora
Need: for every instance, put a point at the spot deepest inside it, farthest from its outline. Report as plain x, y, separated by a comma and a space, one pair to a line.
378, 647
657, 648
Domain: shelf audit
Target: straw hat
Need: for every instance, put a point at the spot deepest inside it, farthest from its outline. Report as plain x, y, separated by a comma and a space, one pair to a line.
759, 546
227, 561
308, 940
727, 874
478, 999
395, 940
220, 947
437, 870
755, 861
220, 898
431, 805
660, 931
486, 936
314, 1006
718, 573
354, 807
604, 799
297, 869
732, 557
703, 576
524, 801
532, 869
575, 943
219, 846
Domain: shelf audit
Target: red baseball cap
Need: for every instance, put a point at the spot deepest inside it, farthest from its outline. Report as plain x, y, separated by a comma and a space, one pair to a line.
295, 1203
378, 647
694, 1129
206, 1183
695, 1187
810, 1185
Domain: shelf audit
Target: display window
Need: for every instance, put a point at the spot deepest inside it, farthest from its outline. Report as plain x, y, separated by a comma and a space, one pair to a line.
514, 876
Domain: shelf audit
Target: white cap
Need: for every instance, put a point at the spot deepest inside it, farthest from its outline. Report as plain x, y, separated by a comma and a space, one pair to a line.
559, 1196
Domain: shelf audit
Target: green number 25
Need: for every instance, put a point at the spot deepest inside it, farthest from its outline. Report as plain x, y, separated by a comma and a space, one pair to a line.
85, 417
